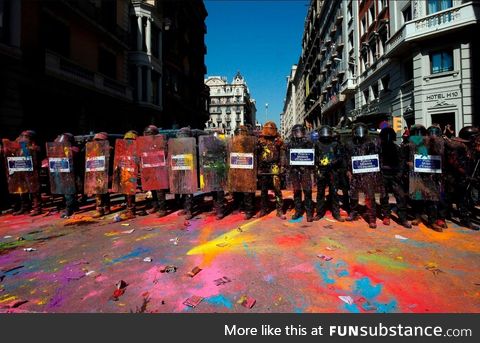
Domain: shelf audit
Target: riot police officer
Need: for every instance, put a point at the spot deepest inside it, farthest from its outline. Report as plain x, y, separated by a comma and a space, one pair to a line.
102, 201
244, 202
271, 161
159, 197
392, 165
327, 160
425, 185
130, 212
300, 170
364, 172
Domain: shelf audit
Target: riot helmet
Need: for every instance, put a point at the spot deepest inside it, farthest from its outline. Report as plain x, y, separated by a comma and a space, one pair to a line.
28, 135
100, 136
269, 129
150, 130
132, 134
434, 131
388, 136
184, 132
325, 133
298, 131
314, 135
360, 131
66, 138
469, 133
241, 130
418, 130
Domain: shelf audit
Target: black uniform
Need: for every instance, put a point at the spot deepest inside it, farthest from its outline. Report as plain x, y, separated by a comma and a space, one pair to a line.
393, 165
328, 159
300, 176
366, 183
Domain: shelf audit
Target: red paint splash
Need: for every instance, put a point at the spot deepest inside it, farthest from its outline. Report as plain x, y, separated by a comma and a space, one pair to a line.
290, 241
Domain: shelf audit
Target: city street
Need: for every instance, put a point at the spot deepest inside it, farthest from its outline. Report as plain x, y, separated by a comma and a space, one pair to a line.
74, 265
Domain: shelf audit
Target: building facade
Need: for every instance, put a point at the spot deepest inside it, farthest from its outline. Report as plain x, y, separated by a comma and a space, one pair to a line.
230, 104
403, 61
104, 65
289, 115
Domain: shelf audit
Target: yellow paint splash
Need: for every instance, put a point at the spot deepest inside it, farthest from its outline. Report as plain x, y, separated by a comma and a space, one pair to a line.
234, 238
147, 236
8, 297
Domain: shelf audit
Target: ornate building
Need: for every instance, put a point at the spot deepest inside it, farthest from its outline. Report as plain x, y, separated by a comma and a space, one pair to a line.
230, 103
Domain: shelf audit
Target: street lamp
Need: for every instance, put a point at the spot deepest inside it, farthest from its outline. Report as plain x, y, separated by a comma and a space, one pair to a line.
266, 112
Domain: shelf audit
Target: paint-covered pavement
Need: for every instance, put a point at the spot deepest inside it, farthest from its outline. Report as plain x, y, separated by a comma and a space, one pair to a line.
75, 268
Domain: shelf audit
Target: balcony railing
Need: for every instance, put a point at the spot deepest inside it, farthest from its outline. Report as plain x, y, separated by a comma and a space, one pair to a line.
434, 24
71, 72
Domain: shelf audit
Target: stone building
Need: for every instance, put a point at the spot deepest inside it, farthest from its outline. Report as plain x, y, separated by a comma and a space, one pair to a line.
231, 104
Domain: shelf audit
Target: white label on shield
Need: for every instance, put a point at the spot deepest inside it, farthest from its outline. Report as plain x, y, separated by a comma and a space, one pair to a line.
365, 164
240, 160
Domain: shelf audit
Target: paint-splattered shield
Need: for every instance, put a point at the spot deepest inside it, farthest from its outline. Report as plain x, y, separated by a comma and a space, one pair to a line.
60, 168
22, 167
301, 165
125, 167
182, 162
242, 165
97, 158
426, 168
213, 163
153, 162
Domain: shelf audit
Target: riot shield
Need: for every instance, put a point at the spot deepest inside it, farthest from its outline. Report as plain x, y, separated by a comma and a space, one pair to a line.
60, 168
213, 163
22, 167
301, 164
242, 165
125, 167
182, 161
97, 158
153, 165
364, 160
426, 161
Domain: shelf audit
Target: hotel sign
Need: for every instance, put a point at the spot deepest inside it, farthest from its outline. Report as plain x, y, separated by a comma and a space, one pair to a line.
442, 96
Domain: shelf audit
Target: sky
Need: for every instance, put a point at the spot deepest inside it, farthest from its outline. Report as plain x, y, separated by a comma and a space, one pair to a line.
261, 39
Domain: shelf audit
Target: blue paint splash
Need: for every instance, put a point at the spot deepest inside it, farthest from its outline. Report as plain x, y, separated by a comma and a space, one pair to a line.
324, 273
134, 253
219, 300
298, 220
352, 308
365, 288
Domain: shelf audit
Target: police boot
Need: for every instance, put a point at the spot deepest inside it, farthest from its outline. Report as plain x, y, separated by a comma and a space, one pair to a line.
441, 223
297, 215
386, 221
338, 217
188, 215
417, 221
263, 212
128, 214
161, 213
309, 217
37, 206
372, 225
22, 210
153, 209
248, 215
436, 227
220, 213
405, 224
352, 216
99, 212
281, 215
66, 213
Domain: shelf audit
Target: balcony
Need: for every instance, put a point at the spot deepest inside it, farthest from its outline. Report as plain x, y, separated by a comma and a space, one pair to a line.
348, 86
433, 25
69, 71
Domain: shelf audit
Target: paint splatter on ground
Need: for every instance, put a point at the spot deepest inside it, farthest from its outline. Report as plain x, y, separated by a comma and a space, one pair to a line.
75, 268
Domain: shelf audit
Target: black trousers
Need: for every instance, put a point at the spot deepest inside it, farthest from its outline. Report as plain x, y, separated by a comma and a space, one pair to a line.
159, 199
244, 202
324, 180
265, 181
369, 201
219, 201
341, 183
392, 183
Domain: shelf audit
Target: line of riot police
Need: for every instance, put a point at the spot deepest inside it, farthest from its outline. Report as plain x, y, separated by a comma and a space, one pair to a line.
427, 171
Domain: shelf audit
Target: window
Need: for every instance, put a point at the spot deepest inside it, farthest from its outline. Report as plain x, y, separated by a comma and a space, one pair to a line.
438, 5
407, 13
349, 11
371, 15
350, 41
363, 27
408, 70
375, 90
385, 82
155, 41
107, 63
441, 61
56, 36
366, 96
